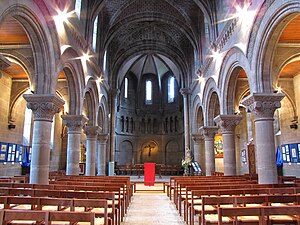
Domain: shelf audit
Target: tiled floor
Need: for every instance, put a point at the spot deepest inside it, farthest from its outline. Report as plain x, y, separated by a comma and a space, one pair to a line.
152, 207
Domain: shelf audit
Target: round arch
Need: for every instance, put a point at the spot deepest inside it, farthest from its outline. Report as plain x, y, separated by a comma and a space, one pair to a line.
75, 79
271, 26
91, 99
198, 116
43, 39
210, 98
102, 116
234, 61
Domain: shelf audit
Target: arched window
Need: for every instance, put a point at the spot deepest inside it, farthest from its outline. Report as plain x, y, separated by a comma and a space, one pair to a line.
148, 92
27, 127
104, 60
78, 8
95, 31
171, 89
126, 87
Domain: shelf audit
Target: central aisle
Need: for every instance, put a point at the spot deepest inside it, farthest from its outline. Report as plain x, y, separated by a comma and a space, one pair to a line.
152, 207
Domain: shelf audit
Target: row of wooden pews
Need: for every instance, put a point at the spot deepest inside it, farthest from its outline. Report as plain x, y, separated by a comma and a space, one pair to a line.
66, 192
204, 198
12, 206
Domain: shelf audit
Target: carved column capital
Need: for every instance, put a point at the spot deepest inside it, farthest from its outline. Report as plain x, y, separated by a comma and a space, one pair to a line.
208, 132
43, 106
92, 131
185, 92
197, 138
263, 105
74, 122
103, 138
227, 123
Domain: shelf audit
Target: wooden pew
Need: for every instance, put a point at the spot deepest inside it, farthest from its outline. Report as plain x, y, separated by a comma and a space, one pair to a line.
99, 207
235, 215
196, 206
232, 215
73, 217
211, 204
280, 215
12, 217
61, 204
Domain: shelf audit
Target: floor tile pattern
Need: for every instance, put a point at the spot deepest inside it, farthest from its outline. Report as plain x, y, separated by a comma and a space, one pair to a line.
152, 207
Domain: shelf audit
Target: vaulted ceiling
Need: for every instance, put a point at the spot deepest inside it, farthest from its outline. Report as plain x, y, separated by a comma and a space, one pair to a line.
167, 27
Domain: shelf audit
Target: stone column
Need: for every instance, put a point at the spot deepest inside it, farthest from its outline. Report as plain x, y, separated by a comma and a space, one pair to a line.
74, 124
91, 146
227, 123
198, 150
185, 93
209, 135
101, 154
44, 108
263, 107
113, 95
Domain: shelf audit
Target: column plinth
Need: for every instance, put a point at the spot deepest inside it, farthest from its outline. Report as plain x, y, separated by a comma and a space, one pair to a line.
74, 124
91, 146
209, 133
44, 108
263, 107
227, 123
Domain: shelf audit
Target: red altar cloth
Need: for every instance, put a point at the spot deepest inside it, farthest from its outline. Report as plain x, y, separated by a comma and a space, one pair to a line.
149, 174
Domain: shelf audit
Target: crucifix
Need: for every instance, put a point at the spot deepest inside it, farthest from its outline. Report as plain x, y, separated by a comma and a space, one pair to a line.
150, 148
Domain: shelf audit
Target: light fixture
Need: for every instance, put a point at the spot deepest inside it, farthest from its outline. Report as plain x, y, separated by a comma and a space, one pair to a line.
63, 16
85, 56
200, 79
279, 90
100, 79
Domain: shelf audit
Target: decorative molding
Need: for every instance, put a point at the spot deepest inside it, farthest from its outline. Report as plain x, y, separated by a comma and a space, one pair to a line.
91, 131
102, 138
43, 107
208, 132
219, 43
197, 138
74, 122
227, 123
263, 105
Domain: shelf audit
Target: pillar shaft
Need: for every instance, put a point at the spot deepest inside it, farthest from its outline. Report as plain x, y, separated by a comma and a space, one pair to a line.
185, 93
113, 93
227, 123
91, 146
74, 124
263, 107
44, 108
209, 134
199, 155
101, 156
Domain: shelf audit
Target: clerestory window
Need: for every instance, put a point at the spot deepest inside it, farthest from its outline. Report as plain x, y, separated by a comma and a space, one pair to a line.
78, 8
148, 92
95, 34
171, 89
126, 87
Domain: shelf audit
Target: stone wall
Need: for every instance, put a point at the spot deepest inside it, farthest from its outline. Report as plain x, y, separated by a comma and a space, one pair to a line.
289, 135
10, 135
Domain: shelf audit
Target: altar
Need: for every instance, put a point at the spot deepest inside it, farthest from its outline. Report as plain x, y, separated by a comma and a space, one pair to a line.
149, 174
